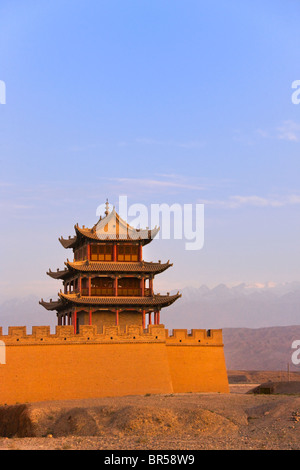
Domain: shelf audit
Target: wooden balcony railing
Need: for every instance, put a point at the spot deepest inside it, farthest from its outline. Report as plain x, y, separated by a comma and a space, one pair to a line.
129, 292
102, 292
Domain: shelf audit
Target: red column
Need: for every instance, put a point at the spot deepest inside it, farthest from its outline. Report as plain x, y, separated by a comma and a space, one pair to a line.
151, 285
158, 318
114, 252
117, 317
89, 252
155, 318
90, 317
142, 285
80, 284
116, 286
75, 321
90, 286
150, 320
144, 319
140, 253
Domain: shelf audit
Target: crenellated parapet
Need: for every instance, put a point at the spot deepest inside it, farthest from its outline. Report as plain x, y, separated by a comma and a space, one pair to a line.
17, 335
133, 333
194, 338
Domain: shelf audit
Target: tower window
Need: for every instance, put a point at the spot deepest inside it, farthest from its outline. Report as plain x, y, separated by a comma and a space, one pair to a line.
101, 252
127, 253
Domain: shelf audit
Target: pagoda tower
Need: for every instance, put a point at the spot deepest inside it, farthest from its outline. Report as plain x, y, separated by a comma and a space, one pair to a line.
108, 283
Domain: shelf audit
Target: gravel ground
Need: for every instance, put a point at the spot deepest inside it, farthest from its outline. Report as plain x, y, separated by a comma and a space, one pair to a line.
163, 422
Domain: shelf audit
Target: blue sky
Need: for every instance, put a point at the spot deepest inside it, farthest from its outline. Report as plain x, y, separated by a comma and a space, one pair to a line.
165, 101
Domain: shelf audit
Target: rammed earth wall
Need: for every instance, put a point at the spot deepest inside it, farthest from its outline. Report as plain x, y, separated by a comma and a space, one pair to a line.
43, 366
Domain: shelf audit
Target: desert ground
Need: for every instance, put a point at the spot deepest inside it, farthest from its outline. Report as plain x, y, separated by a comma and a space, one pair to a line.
191, 421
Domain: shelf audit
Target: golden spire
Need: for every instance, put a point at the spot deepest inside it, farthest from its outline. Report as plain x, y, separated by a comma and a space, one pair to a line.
107, 207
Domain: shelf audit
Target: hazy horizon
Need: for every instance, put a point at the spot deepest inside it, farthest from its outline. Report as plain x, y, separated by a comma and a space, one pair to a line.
221, 306
164, 102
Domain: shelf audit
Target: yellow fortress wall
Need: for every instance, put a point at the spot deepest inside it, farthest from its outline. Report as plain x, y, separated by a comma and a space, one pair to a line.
43, 366
196, 361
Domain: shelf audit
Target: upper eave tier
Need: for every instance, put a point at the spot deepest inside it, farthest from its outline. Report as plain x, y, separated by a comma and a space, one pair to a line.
68, 243
110, 228
108, 267
65, 300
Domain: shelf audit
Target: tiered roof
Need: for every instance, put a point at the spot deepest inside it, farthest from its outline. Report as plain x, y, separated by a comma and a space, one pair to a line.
112, 227
108, 267
156, 301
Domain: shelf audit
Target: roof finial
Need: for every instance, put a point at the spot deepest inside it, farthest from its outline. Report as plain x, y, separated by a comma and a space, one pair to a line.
107, 207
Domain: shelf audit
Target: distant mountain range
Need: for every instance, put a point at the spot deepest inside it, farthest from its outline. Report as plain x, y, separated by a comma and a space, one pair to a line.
259, 322
25, 311
241, 306
260, 348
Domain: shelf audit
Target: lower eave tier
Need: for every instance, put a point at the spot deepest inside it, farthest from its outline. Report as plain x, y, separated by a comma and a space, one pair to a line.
115, 267
65, 300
